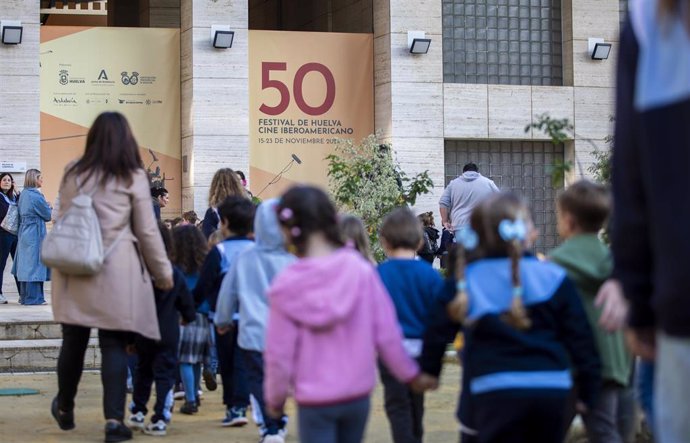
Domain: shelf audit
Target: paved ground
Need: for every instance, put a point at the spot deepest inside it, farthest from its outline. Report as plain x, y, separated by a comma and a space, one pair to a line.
27, 419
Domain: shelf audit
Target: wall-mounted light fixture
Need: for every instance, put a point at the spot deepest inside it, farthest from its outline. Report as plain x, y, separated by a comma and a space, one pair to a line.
598, 49
417, 42
222, 36
11, 32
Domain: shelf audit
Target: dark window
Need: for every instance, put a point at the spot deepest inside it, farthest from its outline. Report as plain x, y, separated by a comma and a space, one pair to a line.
519, 166
510, 42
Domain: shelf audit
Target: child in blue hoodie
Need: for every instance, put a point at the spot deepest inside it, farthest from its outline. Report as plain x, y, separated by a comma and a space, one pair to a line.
246, 284
414, 287
236, 220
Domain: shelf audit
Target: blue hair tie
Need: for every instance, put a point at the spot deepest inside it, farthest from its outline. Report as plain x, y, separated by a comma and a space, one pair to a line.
468, 238
517, 291
461, 286
512, 230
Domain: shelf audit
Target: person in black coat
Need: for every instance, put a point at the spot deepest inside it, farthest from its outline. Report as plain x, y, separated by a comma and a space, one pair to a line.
157, 361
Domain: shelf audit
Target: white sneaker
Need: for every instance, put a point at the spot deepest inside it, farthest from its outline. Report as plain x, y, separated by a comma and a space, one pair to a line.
136, 421
157, 429
275, 438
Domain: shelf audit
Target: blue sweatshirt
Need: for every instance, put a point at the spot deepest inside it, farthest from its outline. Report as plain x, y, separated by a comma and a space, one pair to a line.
414, 287
216, 264
248, 279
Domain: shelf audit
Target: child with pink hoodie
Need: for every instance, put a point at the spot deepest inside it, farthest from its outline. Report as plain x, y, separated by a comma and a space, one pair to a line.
330, 317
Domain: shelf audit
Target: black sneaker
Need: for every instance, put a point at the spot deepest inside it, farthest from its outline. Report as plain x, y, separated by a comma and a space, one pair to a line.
210, 380
189, 408
65, 419
115, 432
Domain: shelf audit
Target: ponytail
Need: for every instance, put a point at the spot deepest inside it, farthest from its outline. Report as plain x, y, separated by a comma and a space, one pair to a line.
517, 316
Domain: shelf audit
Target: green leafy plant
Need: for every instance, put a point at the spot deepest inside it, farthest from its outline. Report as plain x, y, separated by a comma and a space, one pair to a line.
365, 181
559, 131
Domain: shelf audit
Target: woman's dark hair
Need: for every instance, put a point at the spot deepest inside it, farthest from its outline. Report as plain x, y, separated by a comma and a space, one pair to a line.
158, 192
307, 210
167, 239
111, 150
241, 174
190, 248
12, 191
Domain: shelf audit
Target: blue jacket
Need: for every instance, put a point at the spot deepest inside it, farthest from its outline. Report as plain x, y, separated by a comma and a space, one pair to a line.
415, 288
498, 357
34, 212
216, 264
246, 283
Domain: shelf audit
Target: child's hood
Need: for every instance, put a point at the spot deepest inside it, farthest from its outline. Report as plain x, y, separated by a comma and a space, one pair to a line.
267, 232
321, 292
587, 260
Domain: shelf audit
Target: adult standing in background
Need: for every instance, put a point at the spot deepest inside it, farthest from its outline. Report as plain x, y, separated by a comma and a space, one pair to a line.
160, 198
119, 299
649, 232
8, 240
226, 183
461, 196
34, 212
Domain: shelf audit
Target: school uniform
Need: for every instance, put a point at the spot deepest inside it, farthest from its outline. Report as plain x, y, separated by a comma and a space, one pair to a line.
516, 383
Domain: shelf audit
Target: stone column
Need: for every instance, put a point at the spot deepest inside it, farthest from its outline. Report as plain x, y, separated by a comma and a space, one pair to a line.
409, 89
593, 80
19, 88
215, 100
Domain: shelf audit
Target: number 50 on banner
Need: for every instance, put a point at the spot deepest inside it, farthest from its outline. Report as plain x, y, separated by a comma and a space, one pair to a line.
297, 88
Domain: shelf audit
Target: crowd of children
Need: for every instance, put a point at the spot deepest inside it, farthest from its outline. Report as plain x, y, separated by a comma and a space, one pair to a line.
289, 298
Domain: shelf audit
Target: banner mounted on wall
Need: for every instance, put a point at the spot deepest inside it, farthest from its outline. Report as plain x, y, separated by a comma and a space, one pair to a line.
134, 71
307, 91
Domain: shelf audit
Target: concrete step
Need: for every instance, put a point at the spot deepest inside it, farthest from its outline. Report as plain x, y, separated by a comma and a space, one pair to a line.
40, 355
31, 330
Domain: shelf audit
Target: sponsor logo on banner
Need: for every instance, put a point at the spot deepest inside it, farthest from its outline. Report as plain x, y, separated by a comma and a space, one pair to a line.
64, 100
65, 79
129, 79
103, 79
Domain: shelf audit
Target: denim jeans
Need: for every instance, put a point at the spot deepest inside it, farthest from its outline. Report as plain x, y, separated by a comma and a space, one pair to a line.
190, 373
672, 390
644, 383
340, 423
31, 293
8, 247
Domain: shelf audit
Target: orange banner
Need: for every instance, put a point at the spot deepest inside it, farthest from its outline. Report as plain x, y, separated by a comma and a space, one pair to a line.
307, 91
135, 71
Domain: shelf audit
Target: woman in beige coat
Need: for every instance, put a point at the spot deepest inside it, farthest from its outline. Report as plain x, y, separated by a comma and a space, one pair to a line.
119, 299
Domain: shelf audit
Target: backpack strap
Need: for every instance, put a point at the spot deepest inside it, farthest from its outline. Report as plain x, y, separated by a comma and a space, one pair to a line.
110, 249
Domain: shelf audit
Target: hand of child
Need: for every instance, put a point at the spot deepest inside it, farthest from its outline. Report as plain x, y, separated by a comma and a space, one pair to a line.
164, 284
614, 307
642, 342
424, 382
222, 330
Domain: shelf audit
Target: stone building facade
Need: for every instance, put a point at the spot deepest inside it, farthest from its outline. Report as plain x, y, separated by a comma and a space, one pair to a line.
493, 65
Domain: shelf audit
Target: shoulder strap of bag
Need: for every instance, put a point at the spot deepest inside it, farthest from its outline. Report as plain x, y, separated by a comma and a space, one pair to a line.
9, 202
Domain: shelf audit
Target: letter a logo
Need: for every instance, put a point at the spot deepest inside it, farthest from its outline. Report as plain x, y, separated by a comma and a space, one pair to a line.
102, 75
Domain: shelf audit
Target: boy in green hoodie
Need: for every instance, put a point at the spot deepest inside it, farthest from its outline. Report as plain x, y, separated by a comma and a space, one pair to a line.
582, 211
